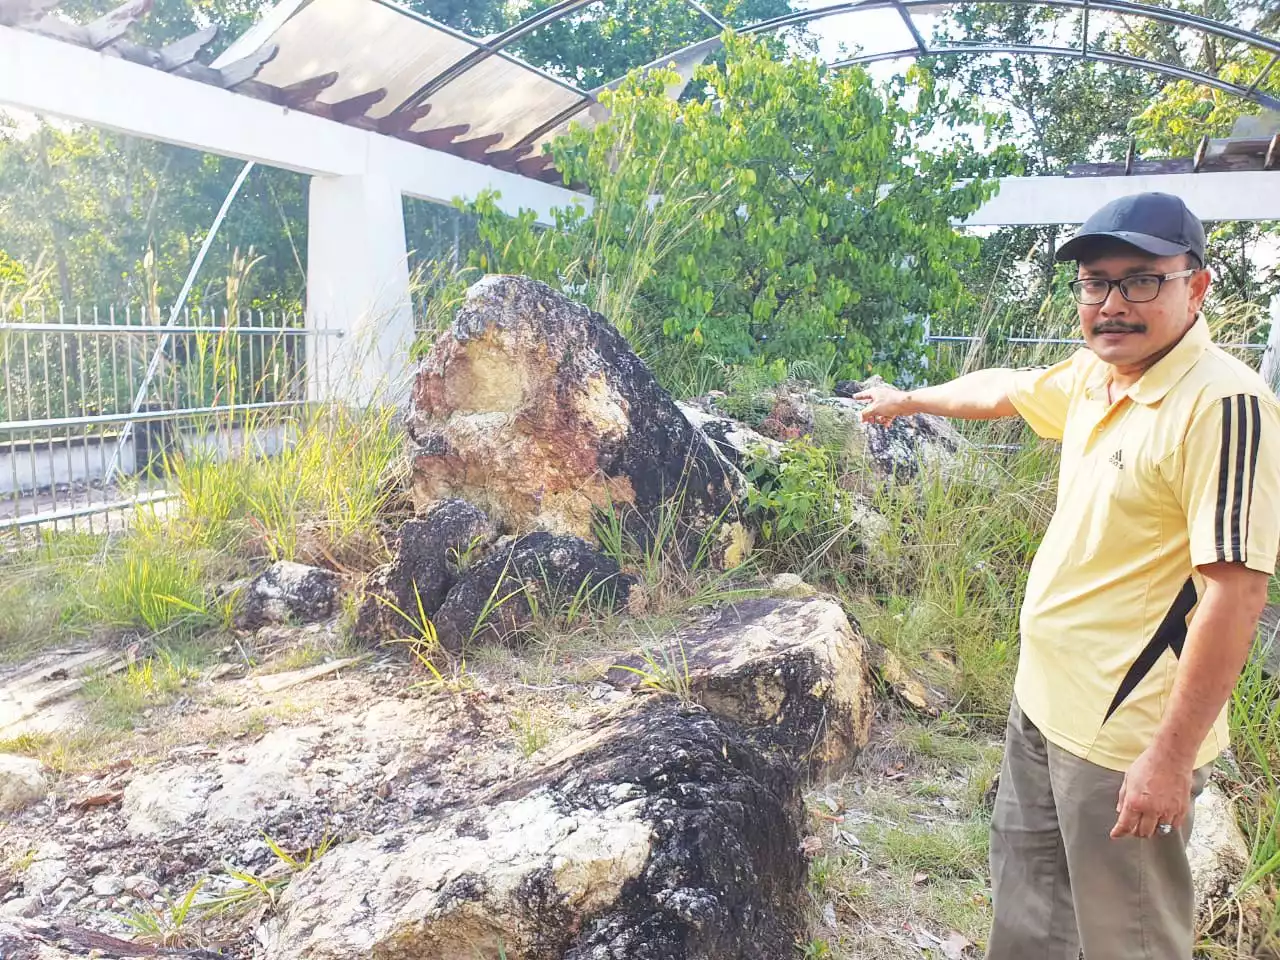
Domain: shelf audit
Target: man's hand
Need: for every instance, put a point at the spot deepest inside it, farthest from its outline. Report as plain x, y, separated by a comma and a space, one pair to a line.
1156, 790
885, 404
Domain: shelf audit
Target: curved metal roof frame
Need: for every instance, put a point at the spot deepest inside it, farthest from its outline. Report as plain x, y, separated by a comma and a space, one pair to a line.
1075, 53
1226, 31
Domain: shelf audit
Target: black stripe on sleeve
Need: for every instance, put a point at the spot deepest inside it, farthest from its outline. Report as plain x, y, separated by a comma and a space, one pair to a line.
1254, 443
1237, 496
1224, 478
1170, 635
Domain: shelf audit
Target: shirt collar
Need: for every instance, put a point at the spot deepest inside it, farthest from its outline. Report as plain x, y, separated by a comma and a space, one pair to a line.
1152, 386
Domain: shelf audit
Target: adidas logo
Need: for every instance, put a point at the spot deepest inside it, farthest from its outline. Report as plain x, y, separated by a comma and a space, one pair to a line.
1115, 461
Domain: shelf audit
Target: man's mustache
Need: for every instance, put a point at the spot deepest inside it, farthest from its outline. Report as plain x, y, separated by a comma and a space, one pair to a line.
1113, 327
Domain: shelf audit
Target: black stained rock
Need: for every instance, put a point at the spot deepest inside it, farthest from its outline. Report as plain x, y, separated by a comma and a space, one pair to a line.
540, 573
288, 592
432, 553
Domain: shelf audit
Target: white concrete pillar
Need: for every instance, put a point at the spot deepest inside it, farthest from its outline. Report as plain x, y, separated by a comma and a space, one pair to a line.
358, 282
1271, 357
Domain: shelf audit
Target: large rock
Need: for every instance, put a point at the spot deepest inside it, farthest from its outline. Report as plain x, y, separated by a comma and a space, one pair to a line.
432, 553
735, 441
22, 783
1267, 650
288, 592
539, 574
665, 836
794, 673
536, 410
899, 450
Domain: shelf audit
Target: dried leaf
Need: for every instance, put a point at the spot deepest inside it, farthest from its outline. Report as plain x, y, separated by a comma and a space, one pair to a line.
99, 799
920, 878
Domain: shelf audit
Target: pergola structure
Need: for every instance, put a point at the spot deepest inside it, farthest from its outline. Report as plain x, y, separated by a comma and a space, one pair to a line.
376, 103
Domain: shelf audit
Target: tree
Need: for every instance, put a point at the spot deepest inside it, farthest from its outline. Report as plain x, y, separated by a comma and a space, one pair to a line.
1182, 113
1056, 111
799, 217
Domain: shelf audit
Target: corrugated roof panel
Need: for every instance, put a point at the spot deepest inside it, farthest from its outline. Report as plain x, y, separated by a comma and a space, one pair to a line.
369, 44
372, 44
500, 96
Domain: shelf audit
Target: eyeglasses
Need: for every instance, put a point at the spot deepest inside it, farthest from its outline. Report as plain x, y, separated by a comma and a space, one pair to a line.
1139, 288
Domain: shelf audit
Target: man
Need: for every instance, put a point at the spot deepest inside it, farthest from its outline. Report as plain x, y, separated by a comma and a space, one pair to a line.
1142, 601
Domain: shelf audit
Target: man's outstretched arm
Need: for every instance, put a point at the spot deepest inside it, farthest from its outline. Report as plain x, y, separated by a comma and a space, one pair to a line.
983, 395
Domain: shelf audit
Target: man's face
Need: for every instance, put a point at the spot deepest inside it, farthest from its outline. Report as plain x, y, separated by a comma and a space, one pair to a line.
1134, 335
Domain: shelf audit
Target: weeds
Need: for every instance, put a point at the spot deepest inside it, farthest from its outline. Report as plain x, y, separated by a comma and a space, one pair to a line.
532, 733
665, 670
173, 925
116, 699
261, 892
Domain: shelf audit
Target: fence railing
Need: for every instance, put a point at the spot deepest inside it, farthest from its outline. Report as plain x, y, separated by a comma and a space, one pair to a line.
94, 403
950, 355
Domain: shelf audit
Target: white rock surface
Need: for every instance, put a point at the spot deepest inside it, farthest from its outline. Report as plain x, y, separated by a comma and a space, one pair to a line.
273, 770
47, 870
108, 886
455, 894
22, 783
1217, 851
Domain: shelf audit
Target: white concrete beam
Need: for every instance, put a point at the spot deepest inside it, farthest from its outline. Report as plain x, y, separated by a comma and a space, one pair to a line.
52, 77
1030, 201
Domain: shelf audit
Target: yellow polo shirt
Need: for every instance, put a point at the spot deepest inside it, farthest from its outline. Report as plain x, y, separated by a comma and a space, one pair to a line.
1182, 470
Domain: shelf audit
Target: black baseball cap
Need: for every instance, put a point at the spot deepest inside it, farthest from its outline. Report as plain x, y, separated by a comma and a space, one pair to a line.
1156, 223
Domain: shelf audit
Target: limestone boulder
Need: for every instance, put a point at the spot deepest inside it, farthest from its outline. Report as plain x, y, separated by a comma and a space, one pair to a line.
498, 598
665, 835
900, 450
22, 783
288, 592
793, 673
537, 411
432, 553
1217, 850
735, 441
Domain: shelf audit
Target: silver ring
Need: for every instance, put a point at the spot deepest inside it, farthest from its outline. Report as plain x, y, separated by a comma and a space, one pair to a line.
1165, 829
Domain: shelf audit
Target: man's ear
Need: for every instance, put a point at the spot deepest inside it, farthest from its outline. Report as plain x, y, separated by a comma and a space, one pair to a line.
1200, 282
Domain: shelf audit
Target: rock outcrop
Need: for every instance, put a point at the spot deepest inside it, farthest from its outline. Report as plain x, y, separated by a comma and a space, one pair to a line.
793, 673
537, 411
1217, 850
899, 450
665, 836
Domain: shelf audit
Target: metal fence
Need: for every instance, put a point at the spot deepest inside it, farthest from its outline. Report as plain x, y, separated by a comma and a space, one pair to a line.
950, 355
95, 403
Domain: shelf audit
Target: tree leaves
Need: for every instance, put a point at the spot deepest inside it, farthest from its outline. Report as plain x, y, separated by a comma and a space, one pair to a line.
822, 230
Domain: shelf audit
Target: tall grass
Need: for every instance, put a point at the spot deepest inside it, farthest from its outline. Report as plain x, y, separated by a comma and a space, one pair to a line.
319, 498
